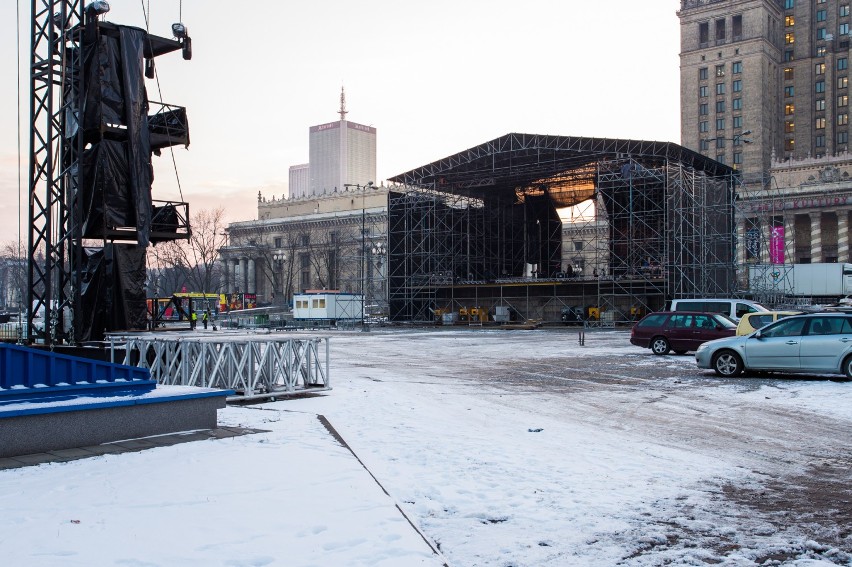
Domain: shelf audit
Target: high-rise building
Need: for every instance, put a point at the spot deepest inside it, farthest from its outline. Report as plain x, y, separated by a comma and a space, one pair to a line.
341, 153
300, 180
776, 68
765, 89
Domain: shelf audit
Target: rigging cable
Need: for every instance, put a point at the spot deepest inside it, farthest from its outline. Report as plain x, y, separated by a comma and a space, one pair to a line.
18, 59
146, 14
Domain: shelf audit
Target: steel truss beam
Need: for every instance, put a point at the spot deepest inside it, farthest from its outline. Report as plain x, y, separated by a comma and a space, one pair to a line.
252, 368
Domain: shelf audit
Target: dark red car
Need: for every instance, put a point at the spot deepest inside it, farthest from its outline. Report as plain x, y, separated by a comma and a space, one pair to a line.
680, 331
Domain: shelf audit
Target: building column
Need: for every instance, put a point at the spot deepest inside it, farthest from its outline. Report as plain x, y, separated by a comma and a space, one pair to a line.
243, 280
843, 236
816, 236
790, 238
250, 287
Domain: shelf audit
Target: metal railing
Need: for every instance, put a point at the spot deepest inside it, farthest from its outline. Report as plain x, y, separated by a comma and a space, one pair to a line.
252, 368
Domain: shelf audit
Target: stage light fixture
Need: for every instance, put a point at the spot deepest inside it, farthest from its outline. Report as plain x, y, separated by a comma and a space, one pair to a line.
179, 30
98, 7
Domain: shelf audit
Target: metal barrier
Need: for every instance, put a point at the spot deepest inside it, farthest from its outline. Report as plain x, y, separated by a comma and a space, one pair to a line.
252, 368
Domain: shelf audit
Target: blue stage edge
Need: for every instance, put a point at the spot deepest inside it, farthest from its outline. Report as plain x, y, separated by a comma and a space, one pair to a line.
51, 401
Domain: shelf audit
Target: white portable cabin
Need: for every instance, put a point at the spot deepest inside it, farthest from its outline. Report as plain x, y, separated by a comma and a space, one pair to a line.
328, 306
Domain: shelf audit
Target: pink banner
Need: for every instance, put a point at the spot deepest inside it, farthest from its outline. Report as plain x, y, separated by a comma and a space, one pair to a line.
776, 245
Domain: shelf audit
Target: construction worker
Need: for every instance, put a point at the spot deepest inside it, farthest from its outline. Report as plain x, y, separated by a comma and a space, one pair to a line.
204, 318
193, 320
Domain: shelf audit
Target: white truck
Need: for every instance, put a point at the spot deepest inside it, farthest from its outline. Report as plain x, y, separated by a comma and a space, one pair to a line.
802, 280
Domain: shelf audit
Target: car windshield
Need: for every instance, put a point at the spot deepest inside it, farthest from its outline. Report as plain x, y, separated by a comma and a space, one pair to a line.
725, 321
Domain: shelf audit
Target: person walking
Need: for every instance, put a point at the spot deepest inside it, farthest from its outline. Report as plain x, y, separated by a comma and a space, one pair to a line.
204, 318
193, 320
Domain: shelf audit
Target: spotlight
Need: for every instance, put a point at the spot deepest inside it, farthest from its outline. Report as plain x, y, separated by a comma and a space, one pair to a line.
98, 7
179, 30
149, 68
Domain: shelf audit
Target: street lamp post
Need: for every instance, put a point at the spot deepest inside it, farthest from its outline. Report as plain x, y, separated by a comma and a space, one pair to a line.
279, 258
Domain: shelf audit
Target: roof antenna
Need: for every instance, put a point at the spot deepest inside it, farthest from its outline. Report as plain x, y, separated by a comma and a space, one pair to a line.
343, 112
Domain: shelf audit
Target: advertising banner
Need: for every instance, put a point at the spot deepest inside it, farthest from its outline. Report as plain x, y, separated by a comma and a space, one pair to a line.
776, 245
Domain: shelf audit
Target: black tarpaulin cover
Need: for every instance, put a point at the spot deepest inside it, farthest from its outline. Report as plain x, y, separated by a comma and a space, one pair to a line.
112, 291
116, 106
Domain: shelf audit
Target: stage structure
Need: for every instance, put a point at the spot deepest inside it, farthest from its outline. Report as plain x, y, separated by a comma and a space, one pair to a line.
93, 131
534, 224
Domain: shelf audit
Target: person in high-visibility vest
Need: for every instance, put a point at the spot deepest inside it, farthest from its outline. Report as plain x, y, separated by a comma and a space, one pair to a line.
193, 320
204, 318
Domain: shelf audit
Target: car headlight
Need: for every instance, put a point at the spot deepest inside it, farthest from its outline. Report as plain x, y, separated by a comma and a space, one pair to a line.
702, 346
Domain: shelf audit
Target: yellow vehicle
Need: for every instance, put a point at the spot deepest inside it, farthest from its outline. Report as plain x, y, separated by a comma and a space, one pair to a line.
750, 322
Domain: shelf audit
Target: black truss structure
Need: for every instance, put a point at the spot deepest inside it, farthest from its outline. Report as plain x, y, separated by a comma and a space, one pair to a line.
482, 228
64, 34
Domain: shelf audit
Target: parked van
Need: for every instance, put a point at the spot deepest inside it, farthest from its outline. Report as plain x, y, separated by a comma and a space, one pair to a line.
733, 308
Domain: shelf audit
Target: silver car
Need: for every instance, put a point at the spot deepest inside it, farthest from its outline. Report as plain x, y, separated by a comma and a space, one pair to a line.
818, 343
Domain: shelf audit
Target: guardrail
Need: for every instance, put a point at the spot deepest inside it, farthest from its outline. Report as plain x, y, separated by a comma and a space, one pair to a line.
252, 368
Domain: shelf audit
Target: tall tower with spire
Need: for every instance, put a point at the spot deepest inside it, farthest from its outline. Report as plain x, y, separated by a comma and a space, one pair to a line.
340, 153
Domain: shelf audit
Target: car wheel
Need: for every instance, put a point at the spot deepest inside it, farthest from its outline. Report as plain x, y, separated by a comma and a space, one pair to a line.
659, 345
680, 352
727, 363
847, 367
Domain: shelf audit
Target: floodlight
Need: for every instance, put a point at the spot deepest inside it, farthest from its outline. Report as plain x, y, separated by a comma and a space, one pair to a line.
179, 30
98, 7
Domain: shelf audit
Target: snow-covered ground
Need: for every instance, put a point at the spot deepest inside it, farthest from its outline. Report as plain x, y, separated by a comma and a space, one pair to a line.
503, 448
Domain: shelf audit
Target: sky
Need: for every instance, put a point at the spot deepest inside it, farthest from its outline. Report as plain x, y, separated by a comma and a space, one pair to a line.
434, 78
497, 451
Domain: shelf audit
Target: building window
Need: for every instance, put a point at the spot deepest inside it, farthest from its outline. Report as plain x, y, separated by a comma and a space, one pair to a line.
788, 73
789, 38
720, 70
843, 29
842, 82
819, 104
737, 122
720, 31
737, 86
720, 124
789, 90
819, 68
819, 87
702, 109
305, 240
720, 88
720, 106
789, 145
842, 63
820, 51
738, 158
842, 119
578, 246
821, 15
844, 10
819, 141
788, 55
789, 108
819, 123
789, 4
737, 67
737, 104
789, 20
278, 242
842, 100
820, 33
703, 126
720, 158
705, 145
704, 33
720, 143
702, 91
789, 126
702, 74
737, 27
842, 137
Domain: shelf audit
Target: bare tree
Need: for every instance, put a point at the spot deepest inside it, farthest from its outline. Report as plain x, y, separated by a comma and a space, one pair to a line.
193, 262
13, 274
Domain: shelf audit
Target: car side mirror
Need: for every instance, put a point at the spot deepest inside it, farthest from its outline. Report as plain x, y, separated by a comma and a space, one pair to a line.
757, 335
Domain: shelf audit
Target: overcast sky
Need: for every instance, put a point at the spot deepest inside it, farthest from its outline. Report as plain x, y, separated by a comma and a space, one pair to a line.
433, 77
